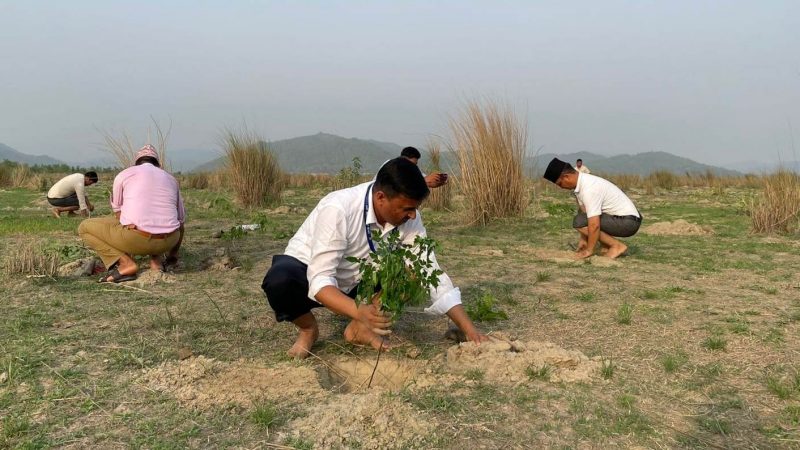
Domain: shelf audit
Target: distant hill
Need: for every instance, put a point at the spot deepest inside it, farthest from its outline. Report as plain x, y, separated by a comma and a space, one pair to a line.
324, 153
8, 153
640, 163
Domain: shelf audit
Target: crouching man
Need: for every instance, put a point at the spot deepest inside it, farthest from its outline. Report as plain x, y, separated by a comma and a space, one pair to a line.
604, 212
149, 217
313, 271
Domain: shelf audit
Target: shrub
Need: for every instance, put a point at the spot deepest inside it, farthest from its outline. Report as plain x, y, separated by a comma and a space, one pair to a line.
441, 197
253, 169
348, 176
777, 208
490, 146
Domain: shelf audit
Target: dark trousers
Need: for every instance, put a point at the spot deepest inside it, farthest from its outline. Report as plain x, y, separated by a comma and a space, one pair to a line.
286, 287
617, 226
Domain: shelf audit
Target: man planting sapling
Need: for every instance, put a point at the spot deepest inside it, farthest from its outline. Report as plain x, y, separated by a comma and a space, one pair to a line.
320, 265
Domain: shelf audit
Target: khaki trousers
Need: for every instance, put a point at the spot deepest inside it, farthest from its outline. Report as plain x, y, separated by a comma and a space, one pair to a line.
110, 240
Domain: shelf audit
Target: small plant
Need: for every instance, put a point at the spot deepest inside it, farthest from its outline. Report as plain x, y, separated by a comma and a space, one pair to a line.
542, 277
715, 343
539, 373
624, 313
673, 362
607, 367
474, 374
404, 273
234, 233
485, 309
586, 297
266, 416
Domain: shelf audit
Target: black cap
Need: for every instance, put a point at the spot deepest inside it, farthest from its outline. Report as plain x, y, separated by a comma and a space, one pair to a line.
554, 169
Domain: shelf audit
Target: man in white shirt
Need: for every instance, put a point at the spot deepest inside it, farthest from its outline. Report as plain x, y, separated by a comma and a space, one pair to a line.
580, 167
69, 194
605, 211
313, 271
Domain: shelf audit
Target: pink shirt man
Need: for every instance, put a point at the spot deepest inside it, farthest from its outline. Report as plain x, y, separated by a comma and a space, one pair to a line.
149, 198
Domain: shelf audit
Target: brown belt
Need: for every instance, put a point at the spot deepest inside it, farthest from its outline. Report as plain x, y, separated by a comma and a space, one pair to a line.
145, 233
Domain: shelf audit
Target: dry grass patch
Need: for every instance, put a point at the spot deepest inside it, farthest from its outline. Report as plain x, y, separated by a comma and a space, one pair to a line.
777, 208
29, 257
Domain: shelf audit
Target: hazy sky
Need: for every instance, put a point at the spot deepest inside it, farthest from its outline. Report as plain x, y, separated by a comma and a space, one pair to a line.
711, 80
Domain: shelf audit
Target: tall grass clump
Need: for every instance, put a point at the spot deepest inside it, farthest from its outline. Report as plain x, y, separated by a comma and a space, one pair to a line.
490, 146
776, 209
440, 198
255, 175
348, 176
123, 150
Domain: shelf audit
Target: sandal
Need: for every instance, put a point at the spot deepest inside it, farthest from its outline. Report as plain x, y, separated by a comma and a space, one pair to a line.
116, 277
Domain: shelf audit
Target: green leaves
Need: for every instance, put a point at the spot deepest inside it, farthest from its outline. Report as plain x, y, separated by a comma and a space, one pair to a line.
404, 274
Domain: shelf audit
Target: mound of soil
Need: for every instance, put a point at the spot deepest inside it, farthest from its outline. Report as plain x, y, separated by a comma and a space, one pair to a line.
201, 382
679, 227
368, 420
506, 360
220, 262
151, 278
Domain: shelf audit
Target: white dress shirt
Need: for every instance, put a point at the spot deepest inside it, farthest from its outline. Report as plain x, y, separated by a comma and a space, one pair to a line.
600, 196
336, 229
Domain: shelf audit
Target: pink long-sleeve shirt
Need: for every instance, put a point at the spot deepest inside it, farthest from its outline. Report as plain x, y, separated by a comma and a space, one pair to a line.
149, 198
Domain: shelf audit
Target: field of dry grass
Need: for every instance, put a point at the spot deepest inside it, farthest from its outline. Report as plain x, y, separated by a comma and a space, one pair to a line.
691, 341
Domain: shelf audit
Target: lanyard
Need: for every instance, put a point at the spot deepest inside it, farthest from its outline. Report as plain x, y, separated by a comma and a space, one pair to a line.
367, 227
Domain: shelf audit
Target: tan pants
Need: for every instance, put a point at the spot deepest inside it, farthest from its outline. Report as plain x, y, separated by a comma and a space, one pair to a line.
110, 240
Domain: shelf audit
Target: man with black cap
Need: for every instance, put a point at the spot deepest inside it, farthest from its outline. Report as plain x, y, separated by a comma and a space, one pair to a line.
605, 211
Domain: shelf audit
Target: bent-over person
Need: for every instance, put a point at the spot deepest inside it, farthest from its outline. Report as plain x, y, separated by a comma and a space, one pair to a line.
313, 272
69, 194
148, 220
605, 212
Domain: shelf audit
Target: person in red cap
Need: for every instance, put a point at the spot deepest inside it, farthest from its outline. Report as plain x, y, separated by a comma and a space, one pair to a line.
149, 218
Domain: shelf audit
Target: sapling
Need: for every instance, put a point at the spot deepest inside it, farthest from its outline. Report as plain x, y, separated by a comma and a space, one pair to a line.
396, 275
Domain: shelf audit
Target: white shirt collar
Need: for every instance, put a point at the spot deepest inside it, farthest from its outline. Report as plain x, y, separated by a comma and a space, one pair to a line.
578, 184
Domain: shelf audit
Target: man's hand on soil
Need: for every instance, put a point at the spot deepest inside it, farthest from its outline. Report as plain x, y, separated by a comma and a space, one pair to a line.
583, 254
477, 337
